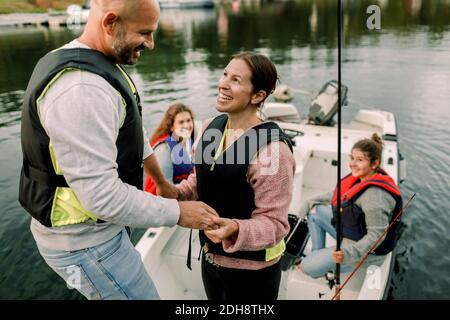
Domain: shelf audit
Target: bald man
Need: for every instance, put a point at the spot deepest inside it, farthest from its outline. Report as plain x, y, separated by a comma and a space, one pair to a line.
84, 151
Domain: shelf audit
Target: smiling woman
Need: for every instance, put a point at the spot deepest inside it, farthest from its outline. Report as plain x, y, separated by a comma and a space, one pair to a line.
242, 256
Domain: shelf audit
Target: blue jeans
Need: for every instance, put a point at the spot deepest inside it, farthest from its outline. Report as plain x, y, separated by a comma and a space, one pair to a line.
320, 260
111, 270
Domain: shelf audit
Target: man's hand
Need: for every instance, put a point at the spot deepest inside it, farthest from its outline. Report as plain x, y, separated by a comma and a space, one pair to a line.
338, 256
197, 215
167, 190
227, 228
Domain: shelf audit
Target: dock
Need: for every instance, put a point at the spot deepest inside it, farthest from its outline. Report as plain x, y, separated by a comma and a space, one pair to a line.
50, 19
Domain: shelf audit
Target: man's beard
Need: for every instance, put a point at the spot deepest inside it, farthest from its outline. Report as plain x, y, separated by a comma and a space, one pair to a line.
123, 51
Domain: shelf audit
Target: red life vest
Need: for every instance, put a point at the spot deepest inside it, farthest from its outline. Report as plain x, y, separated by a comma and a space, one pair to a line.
353, 222
352, 186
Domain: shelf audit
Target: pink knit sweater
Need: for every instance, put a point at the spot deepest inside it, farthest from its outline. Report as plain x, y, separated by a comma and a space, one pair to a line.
268, 224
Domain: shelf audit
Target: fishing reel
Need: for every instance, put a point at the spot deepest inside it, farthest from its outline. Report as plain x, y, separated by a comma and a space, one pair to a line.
331, 278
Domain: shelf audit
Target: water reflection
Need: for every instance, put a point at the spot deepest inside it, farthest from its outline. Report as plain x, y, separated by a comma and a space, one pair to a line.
402, 18
10, 107
239, 25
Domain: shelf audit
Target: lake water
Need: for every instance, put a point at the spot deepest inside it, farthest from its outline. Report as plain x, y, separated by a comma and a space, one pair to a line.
403, 68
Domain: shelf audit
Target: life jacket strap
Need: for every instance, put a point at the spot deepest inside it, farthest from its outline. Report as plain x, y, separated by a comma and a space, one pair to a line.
43, 177
188, 262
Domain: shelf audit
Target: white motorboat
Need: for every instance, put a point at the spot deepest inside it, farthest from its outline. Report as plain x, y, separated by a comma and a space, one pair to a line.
164, 250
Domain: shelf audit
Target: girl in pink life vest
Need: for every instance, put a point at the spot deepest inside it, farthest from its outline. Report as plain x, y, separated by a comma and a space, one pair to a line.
172, 142
370, 200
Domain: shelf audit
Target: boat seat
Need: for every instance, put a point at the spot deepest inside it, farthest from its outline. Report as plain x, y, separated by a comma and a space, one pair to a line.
321, 171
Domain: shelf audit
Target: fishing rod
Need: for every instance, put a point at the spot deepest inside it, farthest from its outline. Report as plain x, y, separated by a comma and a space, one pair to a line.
338, 220
373, 247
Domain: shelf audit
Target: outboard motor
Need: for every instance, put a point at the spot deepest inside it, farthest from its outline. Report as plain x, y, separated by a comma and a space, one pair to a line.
325, 104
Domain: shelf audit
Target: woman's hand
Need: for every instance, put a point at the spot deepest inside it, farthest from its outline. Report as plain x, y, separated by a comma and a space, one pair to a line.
338, 256
227, 228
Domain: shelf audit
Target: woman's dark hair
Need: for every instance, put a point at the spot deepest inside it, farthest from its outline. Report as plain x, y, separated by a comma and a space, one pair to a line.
373, 147
167, 121
264, 74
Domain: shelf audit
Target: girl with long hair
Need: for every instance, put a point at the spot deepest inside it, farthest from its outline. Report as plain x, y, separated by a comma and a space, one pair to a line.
172, 142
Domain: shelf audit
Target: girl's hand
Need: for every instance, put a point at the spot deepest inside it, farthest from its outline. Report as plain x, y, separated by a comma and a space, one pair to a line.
338, 256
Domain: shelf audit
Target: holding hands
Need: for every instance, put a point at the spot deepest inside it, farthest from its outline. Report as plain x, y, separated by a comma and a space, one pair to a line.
193, 214
226, 228
198, 215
